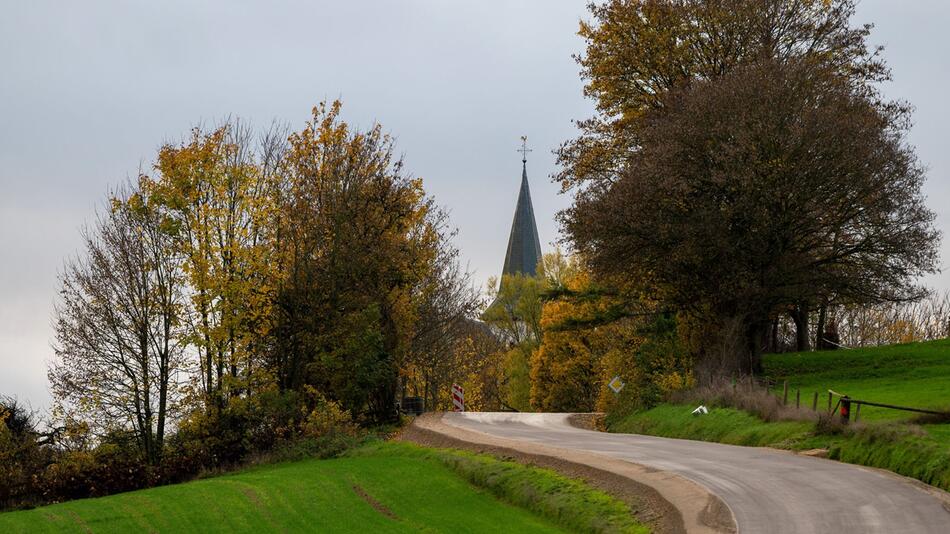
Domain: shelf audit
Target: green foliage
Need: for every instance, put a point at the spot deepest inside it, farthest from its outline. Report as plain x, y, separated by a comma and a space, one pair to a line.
515, 309
257, 425
515, 315
691, 185
353, 361
649, 357
517, 388
381, 488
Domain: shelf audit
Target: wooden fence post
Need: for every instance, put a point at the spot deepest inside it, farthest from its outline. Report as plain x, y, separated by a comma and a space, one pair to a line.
814, 403
846, 409
857, 413
798, 398
785, 393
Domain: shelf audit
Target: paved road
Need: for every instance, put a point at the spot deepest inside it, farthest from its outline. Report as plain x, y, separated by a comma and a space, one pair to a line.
769, 491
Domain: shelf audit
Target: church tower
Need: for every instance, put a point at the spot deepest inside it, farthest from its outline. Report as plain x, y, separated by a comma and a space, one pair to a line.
524, 247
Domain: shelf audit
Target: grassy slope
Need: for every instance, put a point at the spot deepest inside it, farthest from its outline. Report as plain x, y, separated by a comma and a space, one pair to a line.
911, 374
723, 425
421, 488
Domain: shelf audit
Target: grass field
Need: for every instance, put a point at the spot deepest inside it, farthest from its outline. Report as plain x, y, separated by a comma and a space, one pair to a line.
384, 487
916, 375
912, 374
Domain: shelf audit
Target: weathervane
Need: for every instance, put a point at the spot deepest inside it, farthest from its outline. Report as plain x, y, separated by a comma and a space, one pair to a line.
524, 149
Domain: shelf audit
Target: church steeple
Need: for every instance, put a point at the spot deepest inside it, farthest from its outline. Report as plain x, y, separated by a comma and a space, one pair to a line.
524, 246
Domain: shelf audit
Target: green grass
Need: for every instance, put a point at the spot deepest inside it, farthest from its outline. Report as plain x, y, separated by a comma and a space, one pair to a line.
570, 502
723, 425
414, 489
911, 374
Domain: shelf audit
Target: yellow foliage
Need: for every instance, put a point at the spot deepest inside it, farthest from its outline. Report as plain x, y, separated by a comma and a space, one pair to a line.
574, 362
327, 417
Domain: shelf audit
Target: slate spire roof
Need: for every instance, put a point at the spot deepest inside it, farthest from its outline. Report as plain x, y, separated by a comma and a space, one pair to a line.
524, 247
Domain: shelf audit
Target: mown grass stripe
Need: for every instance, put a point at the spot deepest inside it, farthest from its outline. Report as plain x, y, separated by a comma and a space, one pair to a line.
424, 494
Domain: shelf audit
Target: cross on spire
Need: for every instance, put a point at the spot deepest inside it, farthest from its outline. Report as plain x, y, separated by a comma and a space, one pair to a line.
524, 149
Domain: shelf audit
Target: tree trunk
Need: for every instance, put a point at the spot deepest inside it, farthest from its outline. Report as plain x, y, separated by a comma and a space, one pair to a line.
773, 336
750, 362
820, 343
800, 317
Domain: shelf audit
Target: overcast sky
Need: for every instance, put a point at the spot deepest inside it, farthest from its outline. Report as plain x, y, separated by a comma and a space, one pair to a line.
90, 90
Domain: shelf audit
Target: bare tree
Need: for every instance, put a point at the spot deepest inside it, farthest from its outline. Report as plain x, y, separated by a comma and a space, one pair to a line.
447, 302
119, 353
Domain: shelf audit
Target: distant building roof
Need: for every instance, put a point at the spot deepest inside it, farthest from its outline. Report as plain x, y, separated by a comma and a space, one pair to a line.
524, 247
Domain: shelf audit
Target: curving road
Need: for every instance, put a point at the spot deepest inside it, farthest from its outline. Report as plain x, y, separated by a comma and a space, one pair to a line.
768, 491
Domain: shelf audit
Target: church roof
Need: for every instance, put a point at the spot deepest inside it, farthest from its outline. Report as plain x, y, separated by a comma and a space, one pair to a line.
524, 247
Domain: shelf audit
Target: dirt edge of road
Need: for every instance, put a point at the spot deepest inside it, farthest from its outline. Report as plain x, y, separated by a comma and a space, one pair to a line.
668, 503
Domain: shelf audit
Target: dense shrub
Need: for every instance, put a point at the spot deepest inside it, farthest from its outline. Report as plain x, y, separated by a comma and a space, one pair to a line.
326, 418
270, 426
107, 469
21, 455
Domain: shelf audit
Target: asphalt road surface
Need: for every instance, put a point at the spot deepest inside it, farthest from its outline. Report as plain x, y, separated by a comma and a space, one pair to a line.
769, 491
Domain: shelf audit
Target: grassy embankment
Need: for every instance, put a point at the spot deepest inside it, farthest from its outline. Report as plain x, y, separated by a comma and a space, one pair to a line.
916, 374
387, 487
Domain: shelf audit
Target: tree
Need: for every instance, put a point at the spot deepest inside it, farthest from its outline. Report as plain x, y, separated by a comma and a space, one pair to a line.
23, 453
771, 185
481, 354
639, 51
515, 317
218, 191
566, 375
446, 341
358, 239
564, 369
593, 332
118, 326
515, 309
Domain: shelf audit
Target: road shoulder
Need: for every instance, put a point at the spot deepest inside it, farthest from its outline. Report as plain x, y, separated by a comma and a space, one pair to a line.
666, 502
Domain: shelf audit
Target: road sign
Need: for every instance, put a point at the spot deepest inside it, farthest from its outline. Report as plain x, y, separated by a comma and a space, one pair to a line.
458, 398
616, 384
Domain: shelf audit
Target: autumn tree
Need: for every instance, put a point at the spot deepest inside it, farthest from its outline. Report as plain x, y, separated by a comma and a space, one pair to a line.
514, 314
446, 345
218, 192
118, 324
593, 331
358, 241
638, 51
23, 453
566, 375
481, 356
773, 184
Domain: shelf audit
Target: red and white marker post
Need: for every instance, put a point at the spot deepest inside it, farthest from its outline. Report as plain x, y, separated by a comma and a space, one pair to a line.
458, 398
